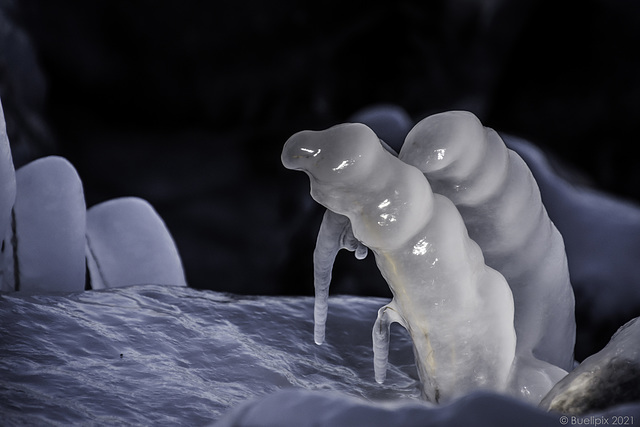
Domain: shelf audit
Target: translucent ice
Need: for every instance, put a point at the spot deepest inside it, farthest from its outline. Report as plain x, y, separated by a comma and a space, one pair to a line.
335, 234
500, 203
129, 244
458, 311
44, 250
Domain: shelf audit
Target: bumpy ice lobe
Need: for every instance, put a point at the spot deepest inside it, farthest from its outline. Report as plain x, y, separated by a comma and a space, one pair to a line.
44, 248
458, 311
500, 203
129, 244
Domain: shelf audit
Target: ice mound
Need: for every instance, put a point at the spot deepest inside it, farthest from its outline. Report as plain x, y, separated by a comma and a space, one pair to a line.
44, 249
458, 311
129, 244
174, 355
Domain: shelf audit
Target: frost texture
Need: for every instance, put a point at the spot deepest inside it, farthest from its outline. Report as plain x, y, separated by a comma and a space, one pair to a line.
129, 244
45, 250
440, 284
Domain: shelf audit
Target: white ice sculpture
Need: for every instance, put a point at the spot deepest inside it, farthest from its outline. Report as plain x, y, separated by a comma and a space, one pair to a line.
458, 311
129, 244
500, 203
44, 248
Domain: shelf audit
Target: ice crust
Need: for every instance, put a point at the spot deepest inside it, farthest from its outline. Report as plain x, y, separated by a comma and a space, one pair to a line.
458, 311
129, 244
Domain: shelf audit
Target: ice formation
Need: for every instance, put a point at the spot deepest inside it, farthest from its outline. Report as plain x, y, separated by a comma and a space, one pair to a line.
129, 244
500, 203
49, 240
602, 243
335, 234
458, 311
609, 377
44, 247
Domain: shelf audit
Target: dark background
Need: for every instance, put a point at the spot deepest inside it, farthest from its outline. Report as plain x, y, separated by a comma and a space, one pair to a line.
187, 104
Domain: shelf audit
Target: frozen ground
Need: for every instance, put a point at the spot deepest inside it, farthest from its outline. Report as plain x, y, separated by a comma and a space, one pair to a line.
163, 355
174, 355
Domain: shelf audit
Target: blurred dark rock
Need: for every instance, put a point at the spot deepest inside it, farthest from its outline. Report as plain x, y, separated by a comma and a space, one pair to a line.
22, 90
608, 378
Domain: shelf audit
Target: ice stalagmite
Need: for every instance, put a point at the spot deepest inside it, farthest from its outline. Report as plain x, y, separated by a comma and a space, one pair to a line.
129, 244
500, 203
46, 249
458, 311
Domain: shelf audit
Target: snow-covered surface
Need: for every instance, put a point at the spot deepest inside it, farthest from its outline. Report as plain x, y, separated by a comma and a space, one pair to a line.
189, 357
170, 355
313, 409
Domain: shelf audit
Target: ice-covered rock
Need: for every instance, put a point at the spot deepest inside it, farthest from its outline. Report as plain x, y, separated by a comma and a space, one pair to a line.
458, 311
45, 250
129, 244
608, 378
